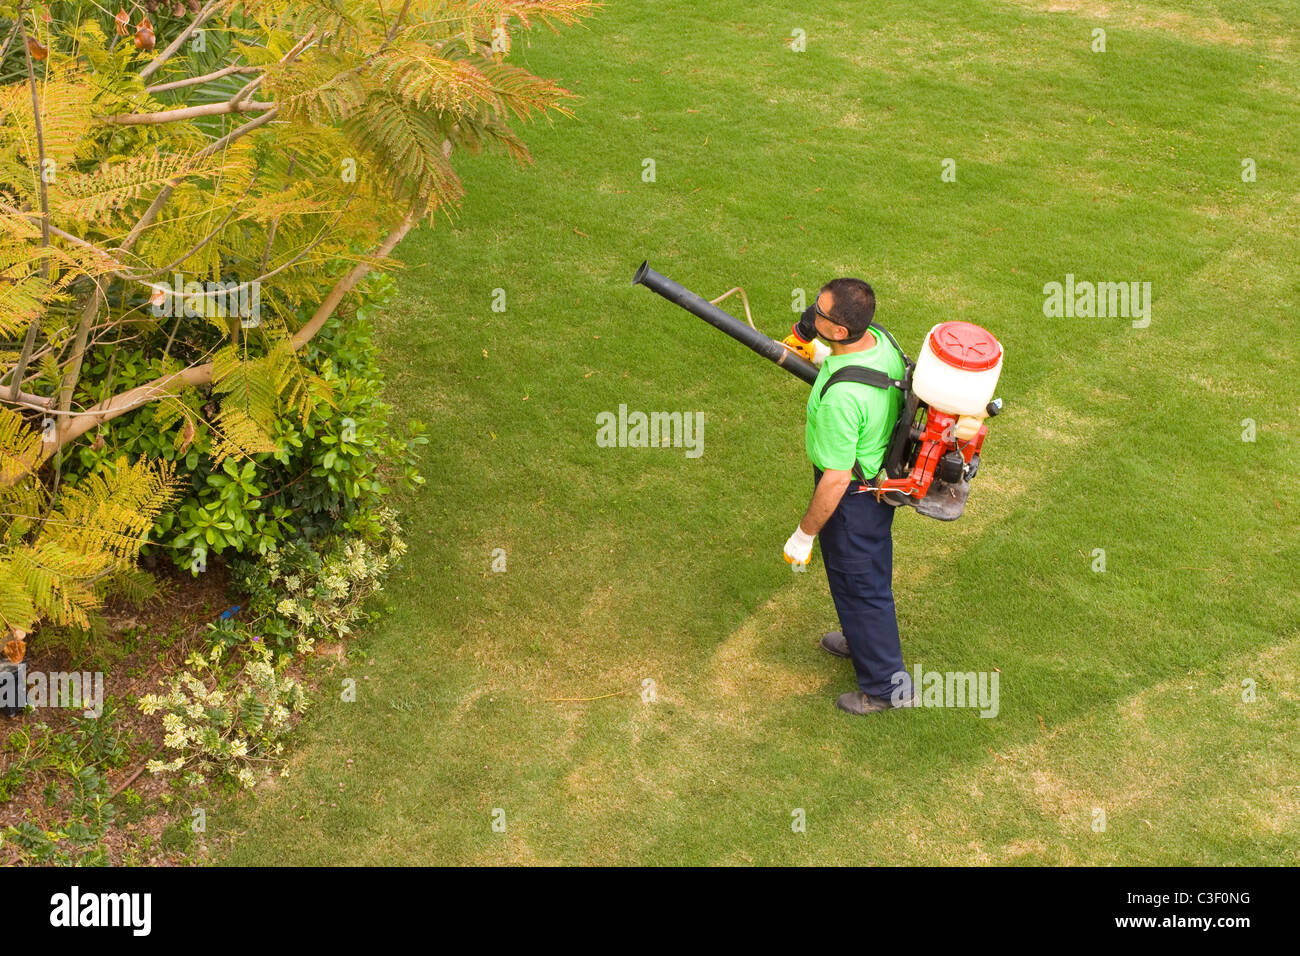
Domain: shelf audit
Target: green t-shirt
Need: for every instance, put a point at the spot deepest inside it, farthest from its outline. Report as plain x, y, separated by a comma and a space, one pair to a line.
854, 421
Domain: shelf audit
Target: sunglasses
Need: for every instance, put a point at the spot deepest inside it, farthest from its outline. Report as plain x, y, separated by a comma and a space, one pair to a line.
829, 318
816, 309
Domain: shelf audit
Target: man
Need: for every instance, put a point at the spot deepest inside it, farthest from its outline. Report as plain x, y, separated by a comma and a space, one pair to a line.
850, 424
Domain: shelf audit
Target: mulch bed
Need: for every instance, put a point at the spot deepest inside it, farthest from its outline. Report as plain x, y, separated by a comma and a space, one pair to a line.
167, 630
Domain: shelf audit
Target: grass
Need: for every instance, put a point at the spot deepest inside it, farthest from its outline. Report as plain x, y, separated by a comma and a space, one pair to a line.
1121, 691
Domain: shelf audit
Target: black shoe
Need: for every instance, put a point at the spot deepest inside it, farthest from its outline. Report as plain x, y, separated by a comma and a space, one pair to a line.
856, 702
834, 643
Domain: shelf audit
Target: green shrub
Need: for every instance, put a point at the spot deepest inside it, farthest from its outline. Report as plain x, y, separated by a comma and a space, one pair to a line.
328, 476
304, 593
222, 720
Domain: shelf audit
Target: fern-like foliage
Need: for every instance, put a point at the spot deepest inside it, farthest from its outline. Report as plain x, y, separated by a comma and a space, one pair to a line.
19, 444
372, 101
325, 90
254, 392
88, 196
35, 278
408, 148
54, 567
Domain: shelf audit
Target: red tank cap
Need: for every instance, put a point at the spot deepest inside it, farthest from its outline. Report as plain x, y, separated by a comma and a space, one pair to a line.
965, 345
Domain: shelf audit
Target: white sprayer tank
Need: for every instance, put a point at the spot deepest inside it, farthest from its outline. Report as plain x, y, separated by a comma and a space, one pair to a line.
958, 369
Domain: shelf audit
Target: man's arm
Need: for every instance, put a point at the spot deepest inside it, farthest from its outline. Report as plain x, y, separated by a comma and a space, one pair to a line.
826, 498
839, 425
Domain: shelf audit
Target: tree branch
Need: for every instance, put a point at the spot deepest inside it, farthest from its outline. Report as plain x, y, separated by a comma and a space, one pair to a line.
29, 342
73, 372
165, 193
76, 425
69, 237
234, 208
186, 112
205, 78
349, 281
199, 18
397, 24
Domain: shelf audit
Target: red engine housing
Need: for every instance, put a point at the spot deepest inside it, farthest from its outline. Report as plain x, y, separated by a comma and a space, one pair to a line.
935, 439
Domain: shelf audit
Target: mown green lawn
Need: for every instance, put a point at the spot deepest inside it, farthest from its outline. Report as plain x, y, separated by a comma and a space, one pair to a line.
1120, 691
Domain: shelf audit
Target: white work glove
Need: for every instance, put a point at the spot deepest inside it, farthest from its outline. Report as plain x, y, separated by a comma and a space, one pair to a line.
820, 351
798, 549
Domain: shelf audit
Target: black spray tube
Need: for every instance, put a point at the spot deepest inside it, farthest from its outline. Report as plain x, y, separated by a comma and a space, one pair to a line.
770, 349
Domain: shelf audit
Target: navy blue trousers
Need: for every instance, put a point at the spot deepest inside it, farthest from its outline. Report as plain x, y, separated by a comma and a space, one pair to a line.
858, 551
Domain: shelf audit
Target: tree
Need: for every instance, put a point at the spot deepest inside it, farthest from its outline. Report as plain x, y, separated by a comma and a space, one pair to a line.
214, 179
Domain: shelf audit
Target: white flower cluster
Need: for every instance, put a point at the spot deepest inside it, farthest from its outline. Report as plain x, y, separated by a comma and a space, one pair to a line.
223, 717
227, 730
330, 601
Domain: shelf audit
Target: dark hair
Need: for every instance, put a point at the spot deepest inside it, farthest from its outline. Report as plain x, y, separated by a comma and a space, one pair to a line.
854, 303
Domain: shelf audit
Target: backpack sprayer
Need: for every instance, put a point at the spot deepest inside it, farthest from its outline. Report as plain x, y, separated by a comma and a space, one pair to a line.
934, 450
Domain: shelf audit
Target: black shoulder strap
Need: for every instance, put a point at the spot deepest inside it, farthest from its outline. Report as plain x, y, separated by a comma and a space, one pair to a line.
870, 376
908, 364
862, 376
